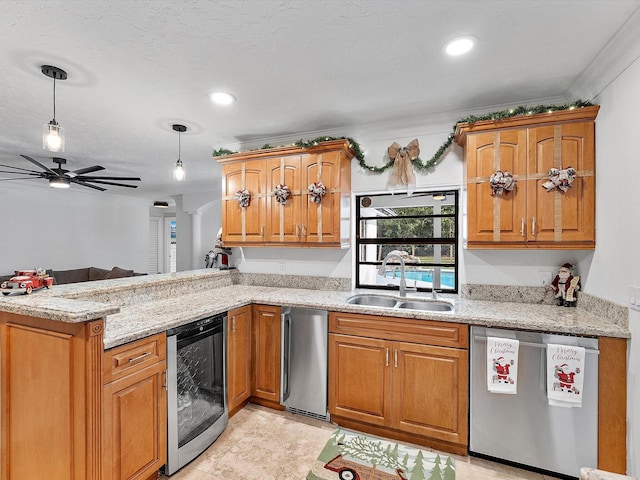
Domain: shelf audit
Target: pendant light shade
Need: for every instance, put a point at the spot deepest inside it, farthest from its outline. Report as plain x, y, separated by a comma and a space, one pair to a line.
53, 133
178, 172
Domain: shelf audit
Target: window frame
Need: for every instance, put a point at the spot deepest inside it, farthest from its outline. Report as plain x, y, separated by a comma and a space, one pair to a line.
359, 241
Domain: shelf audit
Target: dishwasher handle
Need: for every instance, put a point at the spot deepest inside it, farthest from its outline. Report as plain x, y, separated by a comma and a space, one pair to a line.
285, 355
477, 338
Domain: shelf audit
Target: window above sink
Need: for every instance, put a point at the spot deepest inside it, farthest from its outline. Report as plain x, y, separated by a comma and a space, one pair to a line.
423, 228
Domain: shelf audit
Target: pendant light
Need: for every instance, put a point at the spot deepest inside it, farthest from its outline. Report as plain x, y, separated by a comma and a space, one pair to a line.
178, 172
53, 133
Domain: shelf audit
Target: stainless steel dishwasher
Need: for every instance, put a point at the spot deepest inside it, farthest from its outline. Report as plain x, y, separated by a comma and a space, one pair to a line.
523, 428
303, 382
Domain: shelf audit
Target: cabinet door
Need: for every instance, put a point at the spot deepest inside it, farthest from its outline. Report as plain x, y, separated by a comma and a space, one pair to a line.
239, 356
135, 424
243, 224
555, 216
322, 220
430, 388
284, 221
360, 378
266, 352
496, 218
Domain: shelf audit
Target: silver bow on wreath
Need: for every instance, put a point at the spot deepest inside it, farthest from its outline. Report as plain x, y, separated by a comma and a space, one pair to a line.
317, 190
562, 179
281, 193
243, 197
502, 182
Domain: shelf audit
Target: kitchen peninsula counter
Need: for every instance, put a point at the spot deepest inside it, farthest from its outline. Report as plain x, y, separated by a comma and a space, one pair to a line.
137, 307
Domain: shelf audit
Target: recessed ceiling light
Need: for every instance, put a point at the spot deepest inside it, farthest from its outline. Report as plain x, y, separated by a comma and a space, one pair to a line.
222, 98
460, 45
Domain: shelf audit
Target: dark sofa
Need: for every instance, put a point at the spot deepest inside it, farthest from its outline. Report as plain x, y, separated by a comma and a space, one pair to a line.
76, 275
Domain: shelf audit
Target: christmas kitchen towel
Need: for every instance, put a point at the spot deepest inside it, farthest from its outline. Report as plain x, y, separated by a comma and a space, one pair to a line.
565, 375
502, 365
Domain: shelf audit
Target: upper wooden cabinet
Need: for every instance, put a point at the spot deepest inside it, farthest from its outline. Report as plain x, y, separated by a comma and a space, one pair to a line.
299, 221
529, 147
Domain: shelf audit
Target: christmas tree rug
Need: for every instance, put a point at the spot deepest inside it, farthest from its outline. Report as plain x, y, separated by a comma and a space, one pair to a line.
350, 455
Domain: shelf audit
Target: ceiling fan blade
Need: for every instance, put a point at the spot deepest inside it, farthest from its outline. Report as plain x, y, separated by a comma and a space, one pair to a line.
82, 171
84, 184
21, 169
27, 172
112, 183
91, 178
16, 178
35, 162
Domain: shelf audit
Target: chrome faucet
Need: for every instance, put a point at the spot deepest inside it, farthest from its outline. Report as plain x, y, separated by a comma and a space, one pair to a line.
403, 281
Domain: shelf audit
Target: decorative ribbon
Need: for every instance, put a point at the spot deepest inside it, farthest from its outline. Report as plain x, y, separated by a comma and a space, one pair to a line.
561, 179
317, 190
281, 193
243, 197
402, 172
502, 182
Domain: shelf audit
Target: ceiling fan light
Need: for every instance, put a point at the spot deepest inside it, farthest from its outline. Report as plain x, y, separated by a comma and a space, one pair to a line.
59, 182
53, 137
178, 172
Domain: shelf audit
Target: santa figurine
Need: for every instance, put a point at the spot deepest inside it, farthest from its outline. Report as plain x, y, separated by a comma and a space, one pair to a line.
565, 285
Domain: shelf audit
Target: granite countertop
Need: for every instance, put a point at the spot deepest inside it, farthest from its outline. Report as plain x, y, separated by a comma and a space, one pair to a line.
137, 321
142, 306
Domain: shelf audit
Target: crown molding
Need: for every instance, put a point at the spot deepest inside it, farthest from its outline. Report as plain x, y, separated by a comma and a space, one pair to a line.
620, 52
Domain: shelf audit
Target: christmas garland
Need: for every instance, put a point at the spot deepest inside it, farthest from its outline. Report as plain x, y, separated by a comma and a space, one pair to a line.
418, 164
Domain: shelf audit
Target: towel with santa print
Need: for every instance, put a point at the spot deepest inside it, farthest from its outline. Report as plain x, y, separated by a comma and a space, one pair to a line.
502, 365
565, 375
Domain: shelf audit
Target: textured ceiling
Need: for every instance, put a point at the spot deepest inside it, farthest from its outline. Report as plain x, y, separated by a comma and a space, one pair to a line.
296, 67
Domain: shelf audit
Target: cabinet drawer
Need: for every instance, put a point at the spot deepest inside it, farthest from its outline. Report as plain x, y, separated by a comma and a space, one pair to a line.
428, 332
132, 357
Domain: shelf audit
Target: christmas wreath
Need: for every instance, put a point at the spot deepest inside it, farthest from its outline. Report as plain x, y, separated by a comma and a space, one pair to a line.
243, 197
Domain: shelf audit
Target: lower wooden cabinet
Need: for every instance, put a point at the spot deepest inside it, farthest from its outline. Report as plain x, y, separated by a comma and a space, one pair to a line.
398, 387
239, 357
134, 414
266, 355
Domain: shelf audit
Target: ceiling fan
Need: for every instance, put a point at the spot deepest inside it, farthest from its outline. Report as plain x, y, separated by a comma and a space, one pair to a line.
62, 178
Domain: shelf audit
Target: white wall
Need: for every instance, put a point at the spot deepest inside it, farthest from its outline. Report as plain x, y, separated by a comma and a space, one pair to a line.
616, 261
72, 228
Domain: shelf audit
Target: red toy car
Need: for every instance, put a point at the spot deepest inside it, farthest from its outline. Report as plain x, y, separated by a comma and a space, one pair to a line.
26, 281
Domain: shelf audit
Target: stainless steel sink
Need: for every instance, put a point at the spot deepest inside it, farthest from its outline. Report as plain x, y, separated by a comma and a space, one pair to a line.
427, 306
369, 300
372, 301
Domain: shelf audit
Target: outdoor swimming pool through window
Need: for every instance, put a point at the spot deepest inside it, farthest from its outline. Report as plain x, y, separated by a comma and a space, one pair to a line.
447, 279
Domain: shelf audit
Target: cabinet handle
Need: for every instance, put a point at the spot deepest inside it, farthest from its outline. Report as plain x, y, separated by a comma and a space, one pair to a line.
297, 231
533, 225
262, 231
164, 379
139, 357
304, 231
387, 357
522, 228
395, 358
233, 324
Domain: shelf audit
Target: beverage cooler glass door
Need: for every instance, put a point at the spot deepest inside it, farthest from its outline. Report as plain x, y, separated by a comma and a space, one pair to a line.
197, 403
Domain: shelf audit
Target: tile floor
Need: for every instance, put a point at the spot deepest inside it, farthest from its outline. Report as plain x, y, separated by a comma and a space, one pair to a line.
265, 444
